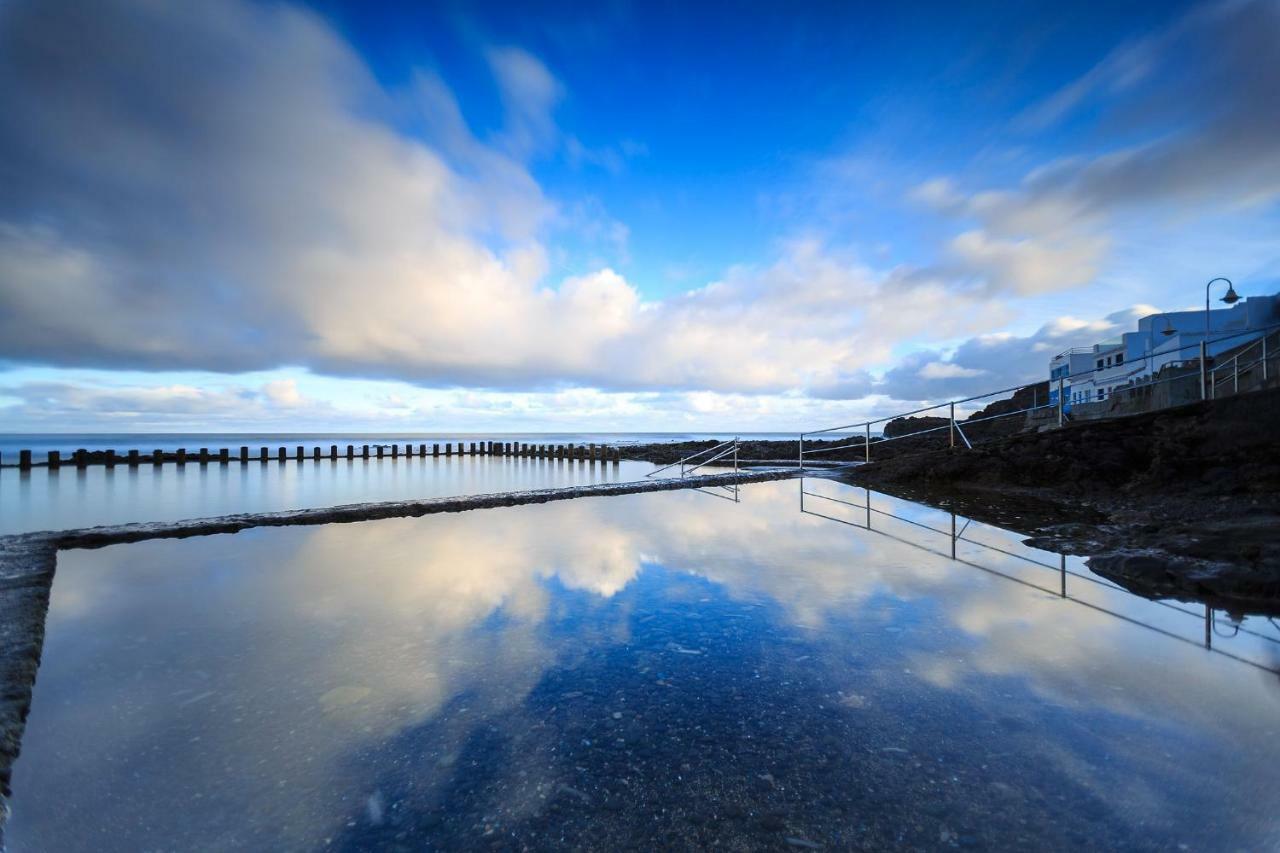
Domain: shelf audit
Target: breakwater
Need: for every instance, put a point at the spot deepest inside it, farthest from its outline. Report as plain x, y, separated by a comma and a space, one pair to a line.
54, 459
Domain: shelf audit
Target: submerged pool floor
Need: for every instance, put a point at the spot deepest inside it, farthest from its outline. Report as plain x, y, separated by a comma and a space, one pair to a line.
750, 670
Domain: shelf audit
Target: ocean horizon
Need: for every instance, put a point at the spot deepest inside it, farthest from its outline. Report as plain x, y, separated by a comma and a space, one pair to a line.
41, 443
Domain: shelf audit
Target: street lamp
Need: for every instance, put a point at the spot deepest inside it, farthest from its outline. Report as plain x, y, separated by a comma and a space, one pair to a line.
1231, 299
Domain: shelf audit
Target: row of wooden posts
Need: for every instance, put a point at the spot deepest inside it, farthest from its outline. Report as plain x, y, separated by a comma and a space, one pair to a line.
133, 458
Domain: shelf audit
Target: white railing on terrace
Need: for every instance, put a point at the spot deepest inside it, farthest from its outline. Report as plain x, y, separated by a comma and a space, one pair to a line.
1237, 368
956, 427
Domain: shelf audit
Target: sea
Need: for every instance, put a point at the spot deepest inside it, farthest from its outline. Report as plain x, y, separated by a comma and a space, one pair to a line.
41, 444
68, 498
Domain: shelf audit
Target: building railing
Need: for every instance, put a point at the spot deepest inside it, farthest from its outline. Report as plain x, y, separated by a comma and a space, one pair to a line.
956, 427
1237, 368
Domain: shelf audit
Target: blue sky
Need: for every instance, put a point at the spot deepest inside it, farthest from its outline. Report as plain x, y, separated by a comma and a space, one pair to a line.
251, 215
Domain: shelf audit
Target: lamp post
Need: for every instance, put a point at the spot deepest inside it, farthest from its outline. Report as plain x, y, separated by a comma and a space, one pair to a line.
1149, 356
1231, 298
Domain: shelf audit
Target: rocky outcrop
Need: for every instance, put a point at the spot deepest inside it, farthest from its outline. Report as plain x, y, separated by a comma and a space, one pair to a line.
1184, 502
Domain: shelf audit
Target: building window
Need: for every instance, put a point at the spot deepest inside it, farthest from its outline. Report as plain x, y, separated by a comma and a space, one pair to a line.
1119, 358
1099, 364
1101, 393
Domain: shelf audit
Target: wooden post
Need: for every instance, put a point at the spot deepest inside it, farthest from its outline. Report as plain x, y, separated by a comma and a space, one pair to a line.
24, 460
55, 459
351, 452
422, 450
157, 458
333, 453
435, 450
181, 455
263, 455
224, 456
298, 452
395, 451
133, 459
473, 448
315, 454
244, 455
379, 451
282, 455
364, 451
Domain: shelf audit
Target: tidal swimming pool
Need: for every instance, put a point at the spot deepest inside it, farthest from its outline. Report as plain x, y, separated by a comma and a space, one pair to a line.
759, 669
69, 498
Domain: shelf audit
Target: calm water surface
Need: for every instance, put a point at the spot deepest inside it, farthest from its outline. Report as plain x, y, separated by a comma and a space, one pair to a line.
655, 671
69, 498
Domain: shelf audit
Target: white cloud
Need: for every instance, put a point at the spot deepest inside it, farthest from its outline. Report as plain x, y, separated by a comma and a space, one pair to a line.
44, 405
530, 94
1154, 155
1030, 266
938, 193
264, 212
947, 370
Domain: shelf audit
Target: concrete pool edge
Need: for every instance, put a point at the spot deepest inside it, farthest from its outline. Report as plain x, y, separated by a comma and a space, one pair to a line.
28, 562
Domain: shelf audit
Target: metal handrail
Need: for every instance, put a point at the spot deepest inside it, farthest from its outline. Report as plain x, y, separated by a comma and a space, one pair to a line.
1237, 368
1265, 331
1210, 613
721, 455
731, 443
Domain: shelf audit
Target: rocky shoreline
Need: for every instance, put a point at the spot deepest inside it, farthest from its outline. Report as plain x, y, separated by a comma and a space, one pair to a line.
1182, 503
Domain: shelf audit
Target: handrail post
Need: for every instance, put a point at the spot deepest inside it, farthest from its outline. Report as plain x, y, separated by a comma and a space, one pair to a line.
868, 443
1061, 401
800, 461
953, 426
1204, 378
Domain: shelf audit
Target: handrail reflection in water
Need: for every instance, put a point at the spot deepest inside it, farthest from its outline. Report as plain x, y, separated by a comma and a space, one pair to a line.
1209, 617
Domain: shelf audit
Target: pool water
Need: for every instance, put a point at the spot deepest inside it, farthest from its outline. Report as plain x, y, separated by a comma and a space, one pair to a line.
68, 498
752, 669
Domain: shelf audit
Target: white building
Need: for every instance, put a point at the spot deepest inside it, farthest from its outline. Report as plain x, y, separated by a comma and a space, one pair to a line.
1090, 374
